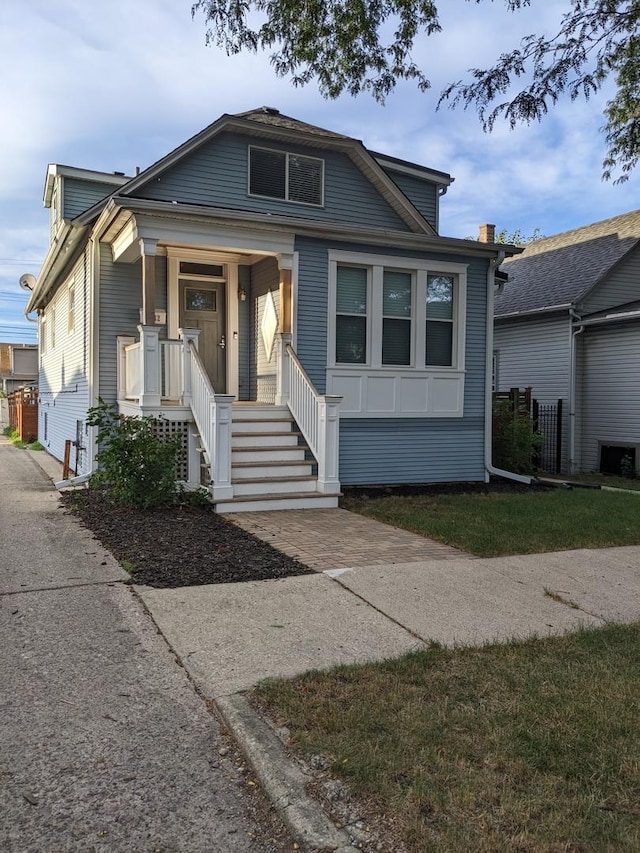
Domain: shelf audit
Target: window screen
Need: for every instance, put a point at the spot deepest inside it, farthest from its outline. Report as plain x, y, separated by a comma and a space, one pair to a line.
351, 319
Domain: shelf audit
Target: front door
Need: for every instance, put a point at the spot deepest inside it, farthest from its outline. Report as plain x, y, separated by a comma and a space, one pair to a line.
202, 306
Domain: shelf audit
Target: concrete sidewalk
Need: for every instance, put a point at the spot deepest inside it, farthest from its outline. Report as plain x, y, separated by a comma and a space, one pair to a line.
232, 635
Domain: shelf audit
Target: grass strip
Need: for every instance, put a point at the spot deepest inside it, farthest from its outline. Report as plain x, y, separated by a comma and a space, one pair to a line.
492, 525
528, 746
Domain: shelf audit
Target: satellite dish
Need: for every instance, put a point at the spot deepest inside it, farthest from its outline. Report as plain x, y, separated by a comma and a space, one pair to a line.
27, 281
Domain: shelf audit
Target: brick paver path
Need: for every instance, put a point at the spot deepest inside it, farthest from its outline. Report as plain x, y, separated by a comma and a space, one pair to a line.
335, 538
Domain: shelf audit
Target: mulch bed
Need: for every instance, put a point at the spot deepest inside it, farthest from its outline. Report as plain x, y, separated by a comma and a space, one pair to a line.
179, 546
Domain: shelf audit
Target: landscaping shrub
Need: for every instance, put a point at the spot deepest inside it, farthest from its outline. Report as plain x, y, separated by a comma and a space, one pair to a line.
135, 465
514, 441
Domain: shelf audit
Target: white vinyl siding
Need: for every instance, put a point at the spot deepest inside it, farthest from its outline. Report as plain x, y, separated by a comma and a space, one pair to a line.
609, 383
63, 380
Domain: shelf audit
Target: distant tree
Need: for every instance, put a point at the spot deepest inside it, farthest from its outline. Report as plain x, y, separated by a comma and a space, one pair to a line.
517, 238
345, 45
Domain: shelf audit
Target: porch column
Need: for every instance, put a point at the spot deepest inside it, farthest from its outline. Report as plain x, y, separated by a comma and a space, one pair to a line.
328, 452
148, 253
151, 391
187, 336
283, 339
285, 267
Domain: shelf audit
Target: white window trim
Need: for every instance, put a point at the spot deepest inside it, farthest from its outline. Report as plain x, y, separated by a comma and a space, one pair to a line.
287, 154
421, 268
229, 264
380, 390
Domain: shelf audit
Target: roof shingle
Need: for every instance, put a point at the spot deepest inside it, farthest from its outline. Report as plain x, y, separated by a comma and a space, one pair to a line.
557, 271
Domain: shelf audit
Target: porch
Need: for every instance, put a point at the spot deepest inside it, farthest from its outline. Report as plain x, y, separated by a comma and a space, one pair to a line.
252, 455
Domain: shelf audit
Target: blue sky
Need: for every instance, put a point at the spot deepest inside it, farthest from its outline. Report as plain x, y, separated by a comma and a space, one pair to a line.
115, 84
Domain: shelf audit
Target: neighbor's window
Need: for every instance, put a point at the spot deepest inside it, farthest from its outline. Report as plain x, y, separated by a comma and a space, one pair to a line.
439, 314
396, 317
72, 308
351, 315
290, 177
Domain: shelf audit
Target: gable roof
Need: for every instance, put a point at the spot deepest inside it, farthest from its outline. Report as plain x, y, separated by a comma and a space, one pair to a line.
267, 122
558, 271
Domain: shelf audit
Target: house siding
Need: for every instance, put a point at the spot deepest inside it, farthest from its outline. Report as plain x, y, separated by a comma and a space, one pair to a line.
609, 374
120, 298
621, 286
216, 175
422, 194
397, 450
535, 353
80, 195
63, 379
244, 335
264, 279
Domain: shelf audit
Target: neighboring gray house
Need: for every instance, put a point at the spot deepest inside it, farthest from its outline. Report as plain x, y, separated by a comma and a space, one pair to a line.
280, 295
18, 366
568, 325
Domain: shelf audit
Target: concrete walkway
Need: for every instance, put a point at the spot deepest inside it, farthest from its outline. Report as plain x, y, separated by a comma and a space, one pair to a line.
104, 743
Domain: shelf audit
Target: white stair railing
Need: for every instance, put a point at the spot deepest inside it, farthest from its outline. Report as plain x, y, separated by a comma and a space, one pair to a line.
317, 416
212, 414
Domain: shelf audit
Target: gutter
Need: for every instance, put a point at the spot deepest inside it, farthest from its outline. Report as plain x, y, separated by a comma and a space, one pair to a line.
494, 263
72, 481
576, 327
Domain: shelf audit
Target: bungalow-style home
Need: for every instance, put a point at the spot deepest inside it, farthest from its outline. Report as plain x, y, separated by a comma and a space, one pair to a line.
18, 366
280, 295
567, 324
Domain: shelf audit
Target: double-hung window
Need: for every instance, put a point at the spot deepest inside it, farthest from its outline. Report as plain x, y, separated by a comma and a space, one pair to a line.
286, 176
352, 286
439, 326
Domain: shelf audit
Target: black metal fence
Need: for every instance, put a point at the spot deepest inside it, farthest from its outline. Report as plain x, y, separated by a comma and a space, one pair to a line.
545, 419
547, 422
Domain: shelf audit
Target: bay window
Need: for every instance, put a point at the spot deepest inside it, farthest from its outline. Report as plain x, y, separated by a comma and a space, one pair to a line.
396, 335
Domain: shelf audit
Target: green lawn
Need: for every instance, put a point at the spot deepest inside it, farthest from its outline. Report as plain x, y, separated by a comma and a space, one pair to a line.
491, 525
528, 746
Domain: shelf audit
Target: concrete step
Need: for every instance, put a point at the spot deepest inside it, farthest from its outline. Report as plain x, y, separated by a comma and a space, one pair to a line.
274, 485
265, 503
256, 469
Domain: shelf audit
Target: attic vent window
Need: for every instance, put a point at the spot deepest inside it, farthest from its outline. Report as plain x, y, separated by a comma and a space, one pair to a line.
286, 176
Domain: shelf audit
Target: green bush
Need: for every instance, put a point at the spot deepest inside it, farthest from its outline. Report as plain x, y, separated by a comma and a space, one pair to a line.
514, 442
135, 465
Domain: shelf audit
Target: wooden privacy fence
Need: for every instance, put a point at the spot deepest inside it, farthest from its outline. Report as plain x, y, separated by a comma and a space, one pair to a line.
23, 413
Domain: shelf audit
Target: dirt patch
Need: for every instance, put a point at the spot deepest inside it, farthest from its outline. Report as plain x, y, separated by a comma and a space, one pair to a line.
179, 545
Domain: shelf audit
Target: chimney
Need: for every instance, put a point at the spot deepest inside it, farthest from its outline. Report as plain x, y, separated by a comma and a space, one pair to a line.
487, 234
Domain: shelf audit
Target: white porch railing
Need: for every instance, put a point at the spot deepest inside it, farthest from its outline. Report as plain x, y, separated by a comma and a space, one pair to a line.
130, 385
317, 416
212, 414
172, 354
132, 370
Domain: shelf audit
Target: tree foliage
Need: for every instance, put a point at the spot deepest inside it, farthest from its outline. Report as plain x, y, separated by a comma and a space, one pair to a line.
356, 46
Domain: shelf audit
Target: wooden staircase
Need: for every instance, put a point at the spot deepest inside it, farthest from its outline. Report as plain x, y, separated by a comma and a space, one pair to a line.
271, 467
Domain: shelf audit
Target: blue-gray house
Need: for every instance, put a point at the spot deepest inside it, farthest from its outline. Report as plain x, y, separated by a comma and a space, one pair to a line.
282, 297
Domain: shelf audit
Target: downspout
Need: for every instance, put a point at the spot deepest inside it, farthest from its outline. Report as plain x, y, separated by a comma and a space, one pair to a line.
494, 263
575, 329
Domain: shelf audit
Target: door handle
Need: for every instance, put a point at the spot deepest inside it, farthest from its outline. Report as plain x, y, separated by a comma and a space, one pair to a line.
222, 343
